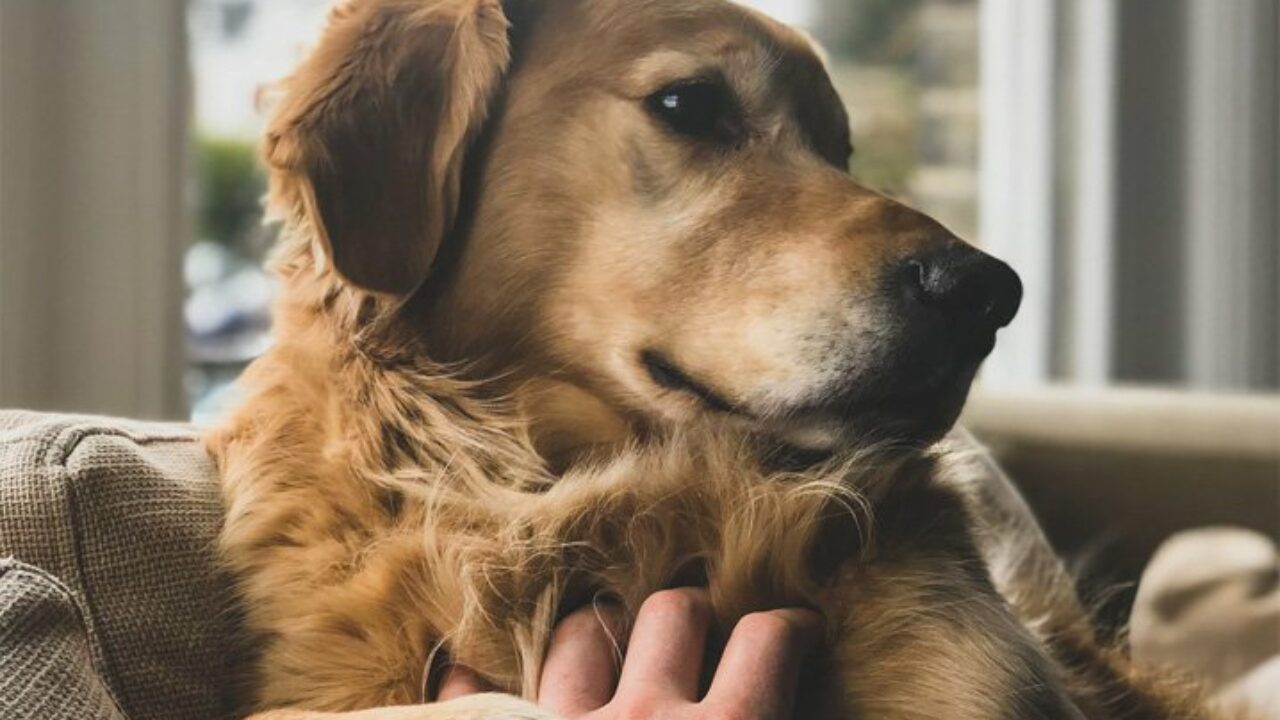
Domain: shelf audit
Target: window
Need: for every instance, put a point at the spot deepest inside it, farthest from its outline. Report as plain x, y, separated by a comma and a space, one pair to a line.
238, 48
908, 71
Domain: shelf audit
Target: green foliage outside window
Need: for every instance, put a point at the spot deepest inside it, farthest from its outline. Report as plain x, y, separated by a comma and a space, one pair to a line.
873, 44
231, 186
870, 31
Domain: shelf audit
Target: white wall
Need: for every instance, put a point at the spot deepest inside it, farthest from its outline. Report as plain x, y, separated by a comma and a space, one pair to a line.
93, 135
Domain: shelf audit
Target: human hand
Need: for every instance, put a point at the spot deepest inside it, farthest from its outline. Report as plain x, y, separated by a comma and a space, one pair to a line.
755, 680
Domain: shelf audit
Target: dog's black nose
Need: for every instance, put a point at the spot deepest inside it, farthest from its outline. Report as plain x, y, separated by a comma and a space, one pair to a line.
966, 285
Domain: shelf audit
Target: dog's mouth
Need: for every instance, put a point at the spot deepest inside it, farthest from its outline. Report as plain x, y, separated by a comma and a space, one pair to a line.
919, 413
666, 374
914, 413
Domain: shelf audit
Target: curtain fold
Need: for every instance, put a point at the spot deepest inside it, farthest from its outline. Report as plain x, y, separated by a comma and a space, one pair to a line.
93, 138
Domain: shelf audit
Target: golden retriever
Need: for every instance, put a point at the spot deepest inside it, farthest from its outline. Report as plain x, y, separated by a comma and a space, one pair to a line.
579, 299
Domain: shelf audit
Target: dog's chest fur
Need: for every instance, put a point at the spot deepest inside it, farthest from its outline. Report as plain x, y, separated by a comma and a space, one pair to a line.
355, 574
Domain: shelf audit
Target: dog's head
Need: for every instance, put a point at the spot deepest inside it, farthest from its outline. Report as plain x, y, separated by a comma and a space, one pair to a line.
642, 207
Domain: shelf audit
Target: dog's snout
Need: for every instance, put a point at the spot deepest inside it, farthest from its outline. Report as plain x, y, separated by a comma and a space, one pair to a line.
966, 285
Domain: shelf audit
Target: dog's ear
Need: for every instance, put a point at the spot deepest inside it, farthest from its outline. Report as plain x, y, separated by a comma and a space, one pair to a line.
371, 135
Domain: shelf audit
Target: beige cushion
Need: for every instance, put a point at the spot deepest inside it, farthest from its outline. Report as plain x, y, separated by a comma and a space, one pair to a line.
1113, 473
109, 529
1209, 604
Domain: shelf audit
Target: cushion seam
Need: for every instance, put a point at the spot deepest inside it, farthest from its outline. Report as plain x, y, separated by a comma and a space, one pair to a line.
13, 566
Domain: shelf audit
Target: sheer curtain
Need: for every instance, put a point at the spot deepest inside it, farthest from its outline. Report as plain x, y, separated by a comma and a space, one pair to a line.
93, 136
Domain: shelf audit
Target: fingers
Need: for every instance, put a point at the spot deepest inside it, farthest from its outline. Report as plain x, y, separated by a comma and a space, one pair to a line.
667, 645
760, 668
581, 669
757, 676
458, 682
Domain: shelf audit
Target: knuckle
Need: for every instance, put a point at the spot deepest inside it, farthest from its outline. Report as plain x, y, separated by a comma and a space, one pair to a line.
596, 625
579, 622
768, 625
681, 601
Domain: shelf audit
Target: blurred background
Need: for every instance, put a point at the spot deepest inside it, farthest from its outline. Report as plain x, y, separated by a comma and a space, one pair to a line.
1121, 154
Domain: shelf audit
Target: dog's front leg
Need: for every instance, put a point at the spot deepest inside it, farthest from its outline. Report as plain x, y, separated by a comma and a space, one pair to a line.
489, 706
922, 632
1024, 567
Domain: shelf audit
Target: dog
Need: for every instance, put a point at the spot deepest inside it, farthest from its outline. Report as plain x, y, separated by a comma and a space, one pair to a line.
579, 299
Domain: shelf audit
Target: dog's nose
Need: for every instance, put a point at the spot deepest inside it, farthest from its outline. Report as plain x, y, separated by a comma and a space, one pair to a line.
966, 285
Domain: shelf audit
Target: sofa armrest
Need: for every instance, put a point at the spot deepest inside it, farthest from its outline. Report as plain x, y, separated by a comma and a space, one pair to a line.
47, 667
1113, 473
124, 517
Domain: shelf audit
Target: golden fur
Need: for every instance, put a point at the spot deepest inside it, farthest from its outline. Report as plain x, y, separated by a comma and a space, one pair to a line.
384, 502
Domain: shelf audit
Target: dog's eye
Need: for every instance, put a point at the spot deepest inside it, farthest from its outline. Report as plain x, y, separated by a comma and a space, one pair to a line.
698, 108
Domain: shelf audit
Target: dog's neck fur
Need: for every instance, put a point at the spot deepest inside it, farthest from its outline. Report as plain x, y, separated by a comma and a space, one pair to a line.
349, 363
